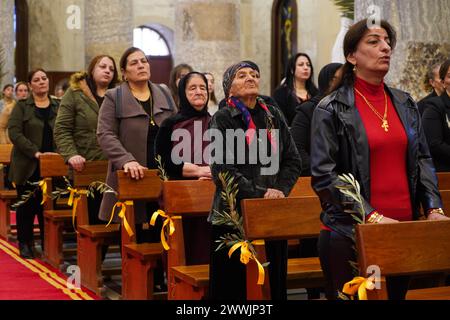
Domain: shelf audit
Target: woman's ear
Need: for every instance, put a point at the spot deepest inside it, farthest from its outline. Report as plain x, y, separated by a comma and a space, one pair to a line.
351, 58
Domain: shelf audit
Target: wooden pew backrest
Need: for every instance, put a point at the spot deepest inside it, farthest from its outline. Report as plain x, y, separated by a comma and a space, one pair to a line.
302, 188
148, 188
5, 153
188, 196
93, 171
404, 248
53, 165
443, 180
281, 218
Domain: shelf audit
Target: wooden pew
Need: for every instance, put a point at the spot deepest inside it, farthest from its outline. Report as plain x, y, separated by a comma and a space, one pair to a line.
406, 248
275, 219
91, 238
138, 260
443, 180
52, 165
186, 198
6, 196
192, 198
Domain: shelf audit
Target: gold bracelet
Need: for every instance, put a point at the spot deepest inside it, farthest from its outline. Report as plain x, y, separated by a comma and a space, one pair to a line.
380, 216
375, 217
436, 210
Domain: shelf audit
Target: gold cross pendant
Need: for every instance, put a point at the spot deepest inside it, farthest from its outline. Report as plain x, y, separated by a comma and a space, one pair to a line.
385, 125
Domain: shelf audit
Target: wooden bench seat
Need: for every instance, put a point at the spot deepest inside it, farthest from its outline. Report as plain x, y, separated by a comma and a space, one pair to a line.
301, 272
52, 166
438, 293
6, 196
99, 230
138, 260
92, 239
144, 251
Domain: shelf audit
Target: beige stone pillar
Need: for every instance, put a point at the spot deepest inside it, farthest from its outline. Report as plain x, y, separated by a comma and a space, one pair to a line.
423, 34
109, 28
7, 41
207, 36
56, 32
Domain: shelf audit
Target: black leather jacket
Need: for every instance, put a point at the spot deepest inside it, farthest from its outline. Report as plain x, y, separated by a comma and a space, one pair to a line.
339, 145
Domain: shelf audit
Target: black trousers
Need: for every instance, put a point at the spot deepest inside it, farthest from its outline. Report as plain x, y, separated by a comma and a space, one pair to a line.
335, 252
227, 276
25, 215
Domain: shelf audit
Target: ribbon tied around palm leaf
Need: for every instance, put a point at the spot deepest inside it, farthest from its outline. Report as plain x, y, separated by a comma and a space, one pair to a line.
247, 255
74, 198
121, 215
359, 285
168, 222
43, 186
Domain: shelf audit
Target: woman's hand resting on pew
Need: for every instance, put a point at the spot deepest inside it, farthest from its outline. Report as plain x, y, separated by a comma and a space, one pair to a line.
135, 169
273, 194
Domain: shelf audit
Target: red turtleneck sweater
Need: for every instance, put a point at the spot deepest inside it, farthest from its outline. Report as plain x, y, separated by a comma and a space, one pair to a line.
389, 191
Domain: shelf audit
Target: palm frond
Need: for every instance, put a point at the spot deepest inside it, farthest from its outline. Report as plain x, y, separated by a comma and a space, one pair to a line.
346, 7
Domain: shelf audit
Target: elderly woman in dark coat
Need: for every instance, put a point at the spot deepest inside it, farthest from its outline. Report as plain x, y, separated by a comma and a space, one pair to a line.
245, 111
192, 120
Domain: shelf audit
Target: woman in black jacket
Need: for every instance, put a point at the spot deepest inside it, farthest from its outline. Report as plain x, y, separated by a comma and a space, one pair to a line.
368, 129
301, 125
436, 122
31, 132
298, 86
253, 122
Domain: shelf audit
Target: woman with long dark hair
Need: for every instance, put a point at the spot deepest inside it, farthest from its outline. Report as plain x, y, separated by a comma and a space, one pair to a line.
298, 85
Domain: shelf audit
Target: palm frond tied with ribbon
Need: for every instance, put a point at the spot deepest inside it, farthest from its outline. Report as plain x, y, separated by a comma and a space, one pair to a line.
359, 285
42, 185
346, 7
230, 217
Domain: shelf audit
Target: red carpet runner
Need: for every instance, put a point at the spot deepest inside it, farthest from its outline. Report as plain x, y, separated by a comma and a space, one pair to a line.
22, 279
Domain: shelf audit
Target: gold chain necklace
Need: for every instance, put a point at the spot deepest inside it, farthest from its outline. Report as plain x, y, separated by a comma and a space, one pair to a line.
384, 121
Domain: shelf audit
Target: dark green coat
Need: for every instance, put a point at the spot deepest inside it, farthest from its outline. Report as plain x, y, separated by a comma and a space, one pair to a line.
76, 123
25, 131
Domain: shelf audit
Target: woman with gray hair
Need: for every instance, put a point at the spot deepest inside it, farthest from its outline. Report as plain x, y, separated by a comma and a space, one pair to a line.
264, 125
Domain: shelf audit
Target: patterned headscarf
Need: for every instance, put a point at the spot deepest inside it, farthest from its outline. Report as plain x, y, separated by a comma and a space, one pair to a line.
230, 73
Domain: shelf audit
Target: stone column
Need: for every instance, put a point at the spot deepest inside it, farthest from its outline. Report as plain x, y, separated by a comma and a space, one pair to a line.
207, 36
56, 35
109, 28
6, 42
422, 34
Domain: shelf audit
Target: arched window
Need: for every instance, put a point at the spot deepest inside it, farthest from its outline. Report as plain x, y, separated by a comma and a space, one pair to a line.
150, 41
284, 37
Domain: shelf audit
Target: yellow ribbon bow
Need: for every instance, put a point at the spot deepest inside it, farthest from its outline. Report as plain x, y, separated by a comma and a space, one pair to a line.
360, 285
168, 221
43, 186
123, 208
73, 202
246, 255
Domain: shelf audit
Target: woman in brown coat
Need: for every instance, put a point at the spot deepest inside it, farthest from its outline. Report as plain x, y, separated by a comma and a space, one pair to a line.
128, 122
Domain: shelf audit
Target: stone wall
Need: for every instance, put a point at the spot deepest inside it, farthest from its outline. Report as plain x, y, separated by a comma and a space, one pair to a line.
207, 35
56, 41
109, 28
7, 41
423, 33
